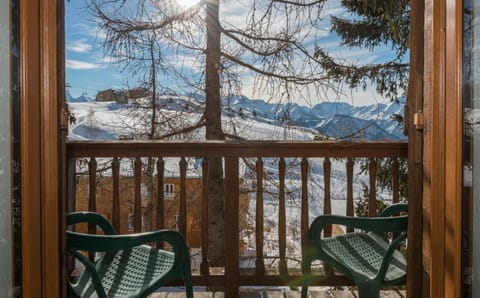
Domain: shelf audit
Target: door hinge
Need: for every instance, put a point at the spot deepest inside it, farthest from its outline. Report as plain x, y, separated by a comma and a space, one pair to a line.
418, 120
63, 120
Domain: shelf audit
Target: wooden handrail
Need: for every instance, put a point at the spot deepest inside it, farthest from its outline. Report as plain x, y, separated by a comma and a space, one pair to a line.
237, 149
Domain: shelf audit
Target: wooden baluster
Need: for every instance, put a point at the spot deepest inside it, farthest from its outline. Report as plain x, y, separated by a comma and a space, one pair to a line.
204, 266
160, 198
372, 200
71, 201
232, 239
349, 190
259, 263
304, 212
395, 187
395, 181
137, 223
327, 204
116, 195
183, 198
92, 179
71, 184
92, 195
282, 220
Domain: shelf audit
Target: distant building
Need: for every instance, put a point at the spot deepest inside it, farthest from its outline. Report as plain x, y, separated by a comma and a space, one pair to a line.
122, 96
139, 92
105, 95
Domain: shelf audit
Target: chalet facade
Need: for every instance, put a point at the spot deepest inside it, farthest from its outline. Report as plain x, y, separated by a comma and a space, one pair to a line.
149, 204
121, 96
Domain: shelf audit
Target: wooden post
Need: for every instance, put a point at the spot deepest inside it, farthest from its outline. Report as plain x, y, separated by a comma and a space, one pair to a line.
304, 208
71, 200
92, 195
259, 263
282, 220
395, 181
350, 208
204, 266
160, 197
327, 204
183, 198
116, 195
372, 200
138, 200
232, 270
92, 184
71, 184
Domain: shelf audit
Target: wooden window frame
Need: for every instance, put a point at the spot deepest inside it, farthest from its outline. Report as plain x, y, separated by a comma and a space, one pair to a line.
43, 130
442, 159
42, 148
169, 191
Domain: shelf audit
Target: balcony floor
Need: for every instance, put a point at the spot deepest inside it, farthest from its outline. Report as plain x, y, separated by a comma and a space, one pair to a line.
313, 292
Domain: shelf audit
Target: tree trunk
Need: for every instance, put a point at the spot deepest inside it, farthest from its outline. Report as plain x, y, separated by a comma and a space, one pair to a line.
148, 216
214, 132
148, 212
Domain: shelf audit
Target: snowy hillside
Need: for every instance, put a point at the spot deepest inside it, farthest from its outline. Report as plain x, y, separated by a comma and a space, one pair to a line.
248, 118
111, 121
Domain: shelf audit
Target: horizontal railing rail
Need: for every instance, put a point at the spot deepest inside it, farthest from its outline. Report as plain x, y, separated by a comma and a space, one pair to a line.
147, 167
236, 149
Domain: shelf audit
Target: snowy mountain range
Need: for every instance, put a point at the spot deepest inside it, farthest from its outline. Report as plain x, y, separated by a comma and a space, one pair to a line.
335, 120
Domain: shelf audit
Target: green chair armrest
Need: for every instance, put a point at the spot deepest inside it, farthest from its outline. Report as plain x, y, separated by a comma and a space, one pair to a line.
92, 218
374, 224
110, 243
394, 209
92, 273
106, 243
389, 254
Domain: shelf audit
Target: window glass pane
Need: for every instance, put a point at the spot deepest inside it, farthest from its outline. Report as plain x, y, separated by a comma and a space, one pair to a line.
5, 156
471, 145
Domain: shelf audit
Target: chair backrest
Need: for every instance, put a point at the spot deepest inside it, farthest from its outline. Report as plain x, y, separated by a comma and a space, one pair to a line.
133, 251
394, 209
92, 218
364, 257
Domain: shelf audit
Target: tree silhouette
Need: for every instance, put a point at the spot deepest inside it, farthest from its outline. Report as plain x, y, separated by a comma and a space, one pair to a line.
205, 49
372, 24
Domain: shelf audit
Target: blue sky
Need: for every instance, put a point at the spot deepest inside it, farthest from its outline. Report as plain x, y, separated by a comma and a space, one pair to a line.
88, 70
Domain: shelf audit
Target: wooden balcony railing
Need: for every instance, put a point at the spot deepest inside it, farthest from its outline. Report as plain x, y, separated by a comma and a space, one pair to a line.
84, 158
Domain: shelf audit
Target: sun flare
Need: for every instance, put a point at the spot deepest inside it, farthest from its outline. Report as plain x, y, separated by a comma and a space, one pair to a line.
187, 3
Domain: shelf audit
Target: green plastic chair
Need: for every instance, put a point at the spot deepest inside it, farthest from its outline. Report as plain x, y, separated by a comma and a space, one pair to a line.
128, 267
365, 257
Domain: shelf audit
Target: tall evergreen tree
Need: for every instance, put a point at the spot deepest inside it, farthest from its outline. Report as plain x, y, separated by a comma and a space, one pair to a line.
371, 24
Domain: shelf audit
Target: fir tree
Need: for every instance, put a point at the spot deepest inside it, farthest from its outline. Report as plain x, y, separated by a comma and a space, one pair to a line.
372, 24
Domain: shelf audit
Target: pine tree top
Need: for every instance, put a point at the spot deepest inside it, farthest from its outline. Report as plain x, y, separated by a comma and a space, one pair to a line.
371, 24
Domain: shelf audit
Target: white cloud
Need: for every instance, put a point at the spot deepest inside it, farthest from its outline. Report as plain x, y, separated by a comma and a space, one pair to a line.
80, 65
79, 46
96, 33
107, 60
